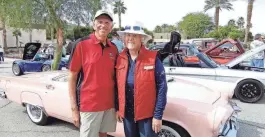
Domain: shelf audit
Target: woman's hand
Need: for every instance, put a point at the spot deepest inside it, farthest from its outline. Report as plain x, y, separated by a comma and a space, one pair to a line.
156, 124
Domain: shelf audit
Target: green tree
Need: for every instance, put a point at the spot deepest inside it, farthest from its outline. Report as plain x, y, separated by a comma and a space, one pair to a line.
235, 34
218, 5
249, 16
55, 13
158, 29
5, 16
119, 9
231, 22
195, 25
225, 32
164, 27
240, 22
80, 32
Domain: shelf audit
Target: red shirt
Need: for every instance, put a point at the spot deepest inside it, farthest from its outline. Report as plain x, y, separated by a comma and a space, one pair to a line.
97, 63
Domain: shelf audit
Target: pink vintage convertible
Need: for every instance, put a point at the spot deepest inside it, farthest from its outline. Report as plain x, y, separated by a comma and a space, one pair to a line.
193, 109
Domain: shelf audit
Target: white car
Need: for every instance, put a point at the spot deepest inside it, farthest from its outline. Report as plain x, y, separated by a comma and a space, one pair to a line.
250, 80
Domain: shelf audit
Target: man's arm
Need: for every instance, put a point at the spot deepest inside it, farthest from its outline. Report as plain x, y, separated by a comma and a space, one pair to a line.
72, 89
75, 63
161, 88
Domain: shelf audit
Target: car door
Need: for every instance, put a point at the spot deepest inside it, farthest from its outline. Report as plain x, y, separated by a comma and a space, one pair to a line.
57, 98
205, 73
33, 66
229, 75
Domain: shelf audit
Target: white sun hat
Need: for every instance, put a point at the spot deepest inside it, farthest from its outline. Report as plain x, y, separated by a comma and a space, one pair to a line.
135, 28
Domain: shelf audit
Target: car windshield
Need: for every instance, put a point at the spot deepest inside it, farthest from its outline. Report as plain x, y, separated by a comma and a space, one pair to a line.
204, 58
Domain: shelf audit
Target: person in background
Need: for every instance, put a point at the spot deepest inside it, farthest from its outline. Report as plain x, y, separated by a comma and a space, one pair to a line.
50, 51
258, 59
263, 38
1, 54
116, 40
142, 85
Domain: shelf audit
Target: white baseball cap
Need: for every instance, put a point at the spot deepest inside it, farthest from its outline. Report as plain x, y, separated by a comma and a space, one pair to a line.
103, 12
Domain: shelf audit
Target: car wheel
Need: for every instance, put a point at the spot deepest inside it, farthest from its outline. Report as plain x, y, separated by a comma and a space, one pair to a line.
249, 91
172, 130
36, 115
16, 69
46, 68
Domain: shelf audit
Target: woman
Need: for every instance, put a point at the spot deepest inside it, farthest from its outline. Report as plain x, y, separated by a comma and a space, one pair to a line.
142, 85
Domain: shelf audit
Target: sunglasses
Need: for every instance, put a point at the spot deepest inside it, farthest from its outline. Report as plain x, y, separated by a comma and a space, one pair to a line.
135, 28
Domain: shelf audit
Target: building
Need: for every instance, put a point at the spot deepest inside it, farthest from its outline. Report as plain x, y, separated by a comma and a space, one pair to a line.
38, 34
161, 37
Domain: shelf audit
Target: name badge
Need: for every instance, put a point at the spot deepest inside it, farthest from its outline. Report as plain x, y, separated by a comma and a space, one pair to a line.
148, 67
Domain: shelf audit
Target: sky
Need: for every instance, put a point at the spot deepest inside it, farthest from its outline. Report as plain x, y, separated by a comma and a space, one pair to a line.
157, 12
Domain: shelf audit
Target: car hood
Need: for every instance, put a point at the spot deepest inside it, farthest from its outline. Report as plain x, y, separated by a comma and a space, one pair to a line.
183, 88
245, 56
30, 50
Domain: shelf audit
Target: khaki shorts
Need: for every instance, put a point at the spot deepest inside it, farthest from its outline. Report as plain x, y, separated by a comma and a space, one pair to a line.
94, 122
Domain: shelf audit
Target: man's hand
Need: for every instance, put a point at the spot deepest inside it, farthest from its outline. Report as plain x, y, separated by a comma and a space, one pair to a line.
156, 124
118, 117
76, 117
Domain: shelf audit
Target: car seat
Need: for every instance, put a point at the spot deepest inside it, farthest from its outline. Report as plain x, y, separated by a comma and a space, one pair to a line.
176, 60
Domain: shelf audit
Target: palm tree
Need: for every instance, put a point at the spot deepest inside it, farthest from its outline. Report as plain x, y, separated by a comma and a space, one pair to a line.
218, 5
119, 9
240, 22
249, 16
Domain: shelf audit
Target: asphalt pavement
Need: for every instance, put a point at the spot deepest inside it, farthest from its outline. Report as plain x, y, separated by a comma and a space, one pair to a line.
14, 121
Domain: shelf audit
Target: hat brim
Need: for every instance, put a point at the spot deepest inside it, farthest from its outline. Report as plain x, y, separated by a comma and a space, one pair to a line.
106, 14
146, 37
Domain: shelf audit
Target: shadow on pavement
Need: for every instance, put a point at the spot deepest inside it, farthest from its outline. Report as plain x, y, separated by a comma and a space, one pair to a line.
250, 129
262, 101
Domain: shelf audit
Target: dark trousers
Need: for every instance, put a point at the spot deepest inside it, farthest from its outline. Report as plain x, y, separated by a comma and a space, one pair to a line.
142, 128
2, 56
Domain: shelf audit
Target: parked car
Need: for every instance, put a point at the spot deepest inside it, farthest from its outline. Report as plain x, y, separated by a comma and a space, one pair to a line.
192, 110
250, 80
221, 53
35, 61
225, 51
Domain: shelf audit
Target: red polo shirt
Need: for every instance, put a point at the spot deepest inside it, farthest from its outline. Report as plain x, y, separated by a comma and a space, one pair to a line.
97, 63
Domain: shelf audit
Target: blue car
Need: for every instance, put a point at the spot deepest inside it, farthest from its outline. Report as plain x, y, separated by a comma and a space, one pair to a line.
34, 61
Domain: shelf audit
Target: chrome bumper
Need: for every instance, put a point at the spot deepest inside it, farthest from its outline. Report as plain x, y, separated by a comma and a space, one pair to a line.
2, 94
231, 127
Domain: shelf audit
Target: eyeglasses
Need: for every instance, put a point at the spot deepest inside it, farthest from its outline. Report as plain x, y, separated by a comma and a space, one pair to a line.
135, 28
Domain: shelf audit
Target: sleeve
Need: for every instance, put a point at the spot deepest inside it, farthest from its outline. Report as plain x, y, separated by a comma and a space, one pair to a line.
161, 88
75, 60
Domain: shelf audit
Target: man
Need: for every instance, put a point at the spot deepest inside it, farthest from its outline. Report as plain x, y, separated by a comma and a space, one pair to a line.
142, 86
1, 54
92, 63
258, 59
117, 41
